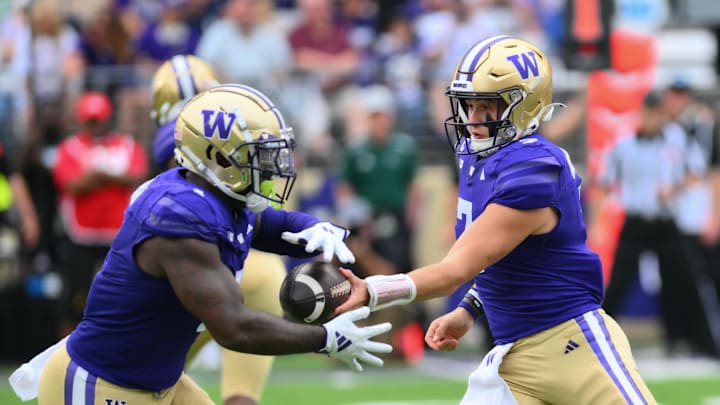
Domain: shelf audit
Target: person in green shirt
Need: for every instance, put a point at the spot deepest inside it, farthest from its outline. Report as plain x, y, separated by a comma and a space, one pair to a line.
381, 170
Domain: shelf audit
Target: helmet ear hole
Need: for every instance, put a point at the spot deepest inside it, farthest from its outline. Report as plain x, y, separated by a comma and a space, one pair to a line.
222, 161
218, 157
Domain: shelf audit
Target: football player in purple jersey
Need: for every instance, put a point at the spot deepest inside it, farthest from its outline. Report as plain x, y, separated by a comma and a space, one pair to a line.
521, 237
172, 268
243, 376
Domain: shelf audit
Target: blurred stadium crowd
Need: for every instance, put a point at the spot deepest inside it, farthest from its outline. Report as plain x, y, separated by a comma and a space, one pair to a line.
362, 82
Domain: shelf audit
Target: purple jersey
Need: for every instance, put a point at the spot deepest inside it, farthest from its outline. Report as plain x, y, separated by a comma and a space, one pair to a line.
548, 278
135, 331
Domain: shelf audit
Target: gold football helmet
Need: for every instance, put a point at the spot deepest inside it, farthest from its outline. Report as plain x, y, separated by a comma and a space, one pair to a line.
235, 138
510, 71
176, 81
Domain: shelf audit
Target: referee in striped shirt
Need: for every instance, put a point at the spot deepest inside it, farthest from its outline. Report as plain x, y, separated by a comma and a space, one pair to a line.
647, 170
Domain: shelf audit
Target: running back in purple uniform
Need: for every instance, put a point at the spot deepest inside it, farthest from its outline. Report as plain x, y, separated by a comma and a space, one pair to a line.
243, 376
521, 238
171, 270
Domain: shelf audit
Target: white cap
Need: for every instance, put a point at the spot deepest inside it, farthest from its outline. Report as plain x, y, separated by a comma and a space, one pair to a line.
379, 98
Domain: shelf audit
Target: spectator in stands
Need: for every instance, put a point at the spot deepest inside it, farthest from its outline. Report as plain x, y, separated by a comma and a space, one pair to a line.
11, 25
398, 65
381, 169
106, 47
107, 51
95, 173
324, 62
137, 15
169, 35
322, 47
266, 57
359, 17
49, 64
434, 28
649, 169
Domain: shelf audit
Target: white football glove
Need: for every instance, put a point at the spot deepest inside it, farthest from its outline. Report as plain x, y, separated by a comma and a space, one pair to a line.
351, 344
325, 237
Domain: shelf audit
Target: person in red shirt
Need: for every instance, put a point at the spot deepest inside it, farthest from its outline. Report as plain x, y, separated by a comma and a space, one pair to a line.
95, 173
322, 46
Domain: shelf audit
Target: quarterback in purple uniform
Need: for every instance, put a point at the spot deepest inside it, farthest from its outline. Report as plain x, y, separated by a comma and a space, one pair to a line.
171, 269
521, 237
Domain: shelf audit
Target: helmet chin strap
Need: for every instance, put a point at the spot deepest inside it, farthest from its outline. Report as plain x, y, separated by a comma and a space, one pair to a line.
256, 203
485, 146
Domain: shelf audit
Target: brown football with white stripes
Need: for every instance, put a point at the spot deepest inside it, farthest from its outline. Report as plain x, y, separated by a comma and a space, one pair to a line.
311, 292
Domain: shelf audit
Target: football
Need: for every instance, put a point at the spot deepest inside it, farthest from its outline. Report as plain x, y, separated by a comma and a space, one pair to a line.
311, 292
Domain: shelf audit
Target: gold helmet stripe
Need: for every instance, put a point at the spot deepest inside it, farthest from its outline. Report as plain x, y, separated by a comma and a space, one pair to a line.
472, 57
267, 101
184, 76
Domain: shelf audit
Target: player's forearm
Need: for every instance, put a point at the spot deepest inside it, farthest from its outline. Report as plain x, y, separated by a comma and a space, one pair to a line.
438, 280
258, 332
432, 281
273, 223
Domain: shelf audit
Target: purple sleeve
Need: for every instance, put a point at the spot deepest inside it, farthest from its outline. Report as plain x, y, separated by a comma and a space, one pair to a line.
172, 216
164, 144
273, 223
528, 184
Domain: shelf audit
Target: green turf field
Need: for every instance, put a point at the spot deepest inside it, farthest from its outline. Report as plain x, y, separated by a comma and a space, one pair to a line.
311, 380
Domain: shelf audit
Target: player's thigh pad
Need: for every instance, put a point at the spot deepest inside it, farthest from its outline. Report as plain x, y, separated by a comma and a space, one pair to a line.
262, 275
187, 392
64, 382
243, 374
586, 360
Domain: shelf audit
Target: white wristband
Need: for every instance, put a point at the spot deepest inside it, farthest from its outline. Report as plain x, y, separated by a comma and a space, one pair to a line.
388, 291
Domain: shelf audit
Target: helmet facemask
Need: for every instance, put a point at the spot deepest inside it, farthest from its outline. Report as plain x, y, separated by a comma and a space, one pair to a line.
270, 167
259, 173
501, 130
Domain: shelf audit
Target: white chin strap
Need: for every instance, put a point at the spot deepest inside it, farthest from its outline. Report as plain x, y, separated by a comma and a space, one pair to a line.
256, 204
482, 146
